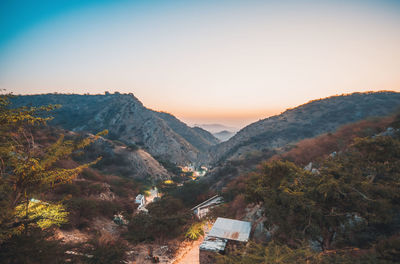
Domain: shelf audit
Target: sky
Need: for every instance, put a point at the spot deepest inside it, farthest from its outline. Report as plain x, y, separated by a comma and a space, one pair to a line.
209, 61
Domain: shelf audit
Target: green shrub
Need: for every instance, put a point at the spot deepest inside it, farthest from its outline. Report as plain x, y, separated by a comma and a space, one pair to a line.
195, 231
166, 219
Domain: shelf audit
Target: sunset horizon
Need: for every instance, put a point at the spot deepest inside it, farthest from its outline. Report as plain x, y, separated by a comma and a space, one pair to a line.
224, 61
232, 119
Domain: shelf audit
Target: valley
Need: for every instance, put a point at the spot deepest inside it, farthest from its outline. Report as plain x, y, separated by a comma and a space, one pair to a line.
143, 150
199, 132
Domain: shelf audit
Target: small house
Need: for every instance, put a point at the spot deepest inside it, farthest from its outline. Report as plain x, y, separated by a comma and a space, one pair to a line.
140, 199
202, 209
225, 234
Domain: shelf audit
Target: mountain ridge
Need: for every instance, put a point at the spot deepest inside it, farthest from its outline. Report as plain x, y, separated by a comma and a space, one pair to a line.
305, 121
165, 136
128, 120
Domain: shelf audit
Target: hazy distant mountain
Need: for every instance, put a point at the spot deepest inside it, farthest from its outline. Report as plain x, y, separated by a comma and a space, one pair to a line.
305, 121
198, 137
206, 135
127, 120
224, 135
216, 128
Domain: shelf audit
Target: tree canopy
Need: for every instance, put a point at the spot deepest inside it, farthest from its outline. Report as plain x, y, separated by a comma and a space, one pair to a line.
350, 201
28, 169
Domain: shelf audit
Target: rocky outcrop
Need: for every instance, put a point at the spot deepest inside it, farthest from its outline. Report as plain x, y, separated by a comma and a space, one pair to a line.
127, 161
160, 134
142, 164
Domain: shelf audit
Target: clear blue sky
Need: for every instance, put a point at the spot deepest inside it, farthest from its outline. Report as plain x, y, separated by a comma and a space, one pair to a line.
205, 61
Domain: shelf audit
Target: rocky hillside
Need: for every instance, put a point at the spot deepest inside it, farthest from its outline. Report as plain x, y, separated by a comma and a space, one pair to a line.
197, 136
160, 134
126, 161
305, 121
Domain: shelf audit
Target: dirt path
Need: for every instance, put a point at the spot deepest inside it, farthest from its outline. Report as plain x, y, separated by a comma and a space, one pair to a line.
192, 255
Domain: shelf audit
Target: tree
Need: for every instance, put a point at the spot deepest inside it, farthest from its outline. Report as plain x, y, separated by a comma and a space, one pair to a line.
352, 191
195, 231
27, 170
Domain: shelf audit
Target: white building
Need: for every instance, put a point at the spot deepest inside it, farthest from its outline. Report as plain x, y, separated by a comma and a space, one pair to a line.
140, 199
202, 209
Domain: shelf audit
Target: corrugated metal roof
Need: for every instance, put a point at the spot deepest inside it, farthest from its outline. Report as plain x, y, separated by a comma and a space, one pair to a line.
213, 200
231, 229
213, 244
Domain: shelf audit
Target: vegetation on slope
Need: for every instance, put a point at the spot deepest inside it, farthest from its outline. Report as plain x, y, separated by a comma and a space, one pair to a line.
301, 153
345, 211
28, 171
306, 121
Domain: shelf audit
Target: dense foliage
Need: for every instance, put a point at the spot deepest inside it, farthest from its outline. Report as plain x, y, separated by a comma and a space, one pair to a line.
317, 148
357, 188
279, 253
350, 202
191, 193
166, 219
27, 171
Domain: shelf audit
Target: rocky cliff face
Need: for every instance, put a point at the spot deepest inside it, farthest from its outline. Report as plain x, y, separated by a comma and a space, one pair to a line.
160, 134
119, 159
305, 121
198, 137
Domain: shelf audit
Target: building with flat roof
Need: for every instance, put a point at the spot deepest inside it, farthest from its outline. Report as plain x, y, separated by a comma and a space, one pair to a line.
203, 208
224, 233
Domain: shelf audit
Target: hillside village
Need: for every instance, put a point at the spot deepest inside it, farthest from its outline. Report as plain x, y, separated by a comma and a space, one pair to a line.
141, 208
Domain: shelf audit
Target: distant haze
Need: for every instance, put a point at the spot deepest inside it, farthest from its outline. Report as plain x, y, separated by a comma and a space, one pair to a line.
215, 128
225, 62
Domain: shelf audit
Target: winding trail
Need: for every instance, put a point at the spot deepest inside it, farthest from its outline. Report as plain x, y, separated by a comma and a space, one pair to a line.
192, 255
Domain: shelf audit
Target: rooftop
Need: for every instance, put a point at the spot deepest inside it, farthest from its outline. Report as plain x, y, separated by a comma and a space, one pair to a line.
213, 200
213, 244
231, 229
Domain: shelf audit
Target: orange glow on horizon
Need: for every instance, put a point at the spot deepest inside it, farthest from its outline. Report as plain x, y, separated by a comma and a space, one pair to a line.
229, 62
235, 118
